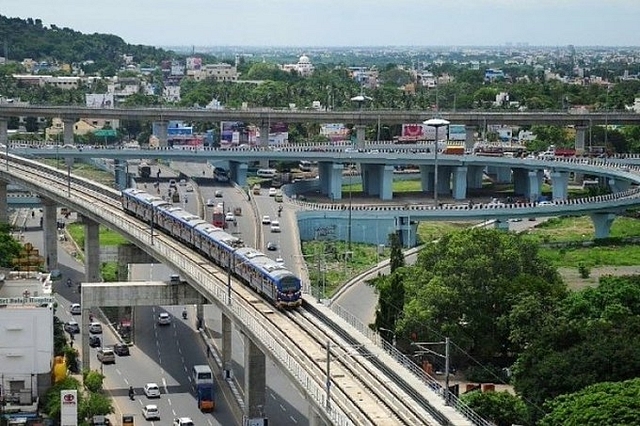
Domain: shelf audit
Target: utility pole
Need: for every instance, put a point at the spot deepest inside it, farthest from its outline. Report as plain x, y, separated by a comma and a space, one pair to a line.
423, 348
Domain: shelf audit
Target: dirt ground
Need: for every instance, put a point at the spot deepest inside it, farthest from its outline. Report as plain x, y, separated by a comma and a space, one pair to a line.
574, 281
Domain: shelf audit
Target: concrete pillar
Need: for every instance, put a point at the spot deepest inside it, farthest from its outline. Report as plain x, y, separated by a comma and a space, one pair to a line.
602, 223
238, 172
67, 128
444, 180
264, 143
469, 139
460, 183
474, 177
50, 233
618, 185
84, 330
91, 250
4, 135
200, 323
324, 177
560, 185
120, 169
226, 346
335, 181
426, 178
581, 132
4, 214
314, 417
161, 130
360, 135
535, 184
503, 174
386, 182
254, 380
368, 174
520, 181
407, 230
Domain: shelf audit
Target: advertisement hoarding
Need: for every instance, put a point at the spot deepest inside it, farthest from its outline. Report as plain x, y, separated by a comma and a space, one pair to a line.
69, 407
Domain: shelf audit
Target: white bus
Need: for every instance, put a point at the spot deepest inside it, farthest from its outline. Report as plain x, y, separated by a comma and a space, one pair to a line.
202, 374
266, 173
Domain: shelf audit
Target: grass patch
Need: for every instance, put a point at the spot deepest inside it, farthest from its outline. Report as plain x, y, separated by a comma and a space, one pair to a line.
561, 229
83, 170
430, 231
593, 256
107, 237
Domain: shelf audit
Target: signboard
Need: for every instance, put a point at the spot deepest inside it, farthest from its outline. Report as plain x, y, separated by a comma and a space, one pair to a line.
69, 407
99, 100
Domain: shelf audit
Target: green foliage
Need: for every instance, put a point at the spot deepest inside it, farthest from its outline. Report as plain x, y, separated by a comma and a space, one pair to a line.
95, 404
588, 337
584, 270
59, 337
602, 404
396, 259
51, 402
465, 285
9, 247
109, 272
92, 380
500, 408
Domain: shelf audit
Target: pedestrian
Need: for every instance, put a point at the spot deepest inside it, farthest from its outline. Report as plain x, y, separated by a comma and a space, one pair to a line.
208, 351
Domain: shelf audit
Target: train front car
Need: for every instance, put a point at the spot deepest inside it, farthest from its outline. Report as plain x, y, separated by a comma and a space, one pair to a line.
141, 204
268, 277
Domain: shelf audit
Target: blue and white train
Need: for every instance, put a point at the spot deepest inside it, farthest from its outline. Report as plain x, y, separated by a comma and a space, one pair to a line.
263, 274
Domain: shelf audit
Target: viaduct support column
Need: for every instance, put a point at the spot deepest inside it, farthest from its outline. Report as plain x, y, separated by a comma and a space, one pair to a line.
535, 184
67, 129
254, 380
226, 346
91, 250
264, 142
460, 183
120, 168
50, 233
4, 138
426, 178
503, 174
238, 172
444, 180
560, 182
520, 184
581, 132
469, 138
4, 215
386, 182
161, 129
602, 223
360, 135
335, 181
474, 177
618, 185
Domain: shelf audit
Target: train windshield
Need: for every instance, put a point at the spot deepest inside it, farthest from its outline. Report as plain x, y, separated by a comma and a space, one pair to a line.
288, 284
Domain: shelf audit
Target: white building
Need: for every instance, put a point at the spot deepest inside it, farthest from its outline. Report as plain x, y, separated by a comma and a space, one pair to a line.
304, 67
26, 340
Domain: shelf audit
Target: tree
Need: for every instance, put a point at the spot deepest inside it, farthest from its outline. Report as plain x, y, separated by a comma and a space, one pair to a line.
500, 408
396, 260
9, 247
602, 404
465, 285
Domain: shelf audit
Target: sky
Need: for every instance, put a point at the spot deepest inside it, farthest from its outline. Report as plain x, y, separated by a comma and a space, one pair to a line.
333, 23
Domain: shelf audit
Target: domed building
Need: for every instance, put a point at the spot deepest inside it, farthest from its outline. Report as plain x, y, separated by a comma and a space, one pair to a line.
304, 67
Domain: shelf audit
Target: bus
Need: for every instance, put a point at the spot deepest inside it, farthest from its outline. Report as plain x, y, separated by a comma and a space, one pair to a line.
266, 173
217, 216
203, 380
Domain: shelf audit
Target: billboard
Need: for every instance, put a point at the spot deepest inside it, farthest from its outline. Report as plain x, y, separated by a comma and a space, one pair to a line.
457, 132
69, 407
230, 132
335, 131
99, 100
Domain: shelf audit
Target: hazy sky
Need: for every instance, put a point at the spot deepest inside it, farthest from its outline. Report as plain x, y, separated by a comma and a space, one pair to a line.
345, 22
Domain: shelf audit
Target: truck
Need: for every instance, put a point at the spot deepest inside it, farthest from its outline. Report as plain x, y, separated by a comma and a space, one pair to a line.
206, 402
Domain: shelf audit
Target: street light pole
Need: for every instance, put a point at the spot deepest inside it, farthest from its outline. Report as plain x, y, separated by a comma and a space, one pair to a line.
437, 123
229, 280
328, 402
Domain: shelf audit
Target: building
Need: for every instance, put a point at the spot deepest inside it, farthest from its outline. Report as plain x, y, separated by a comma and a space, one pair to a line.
218, 72
26, 340
304, 67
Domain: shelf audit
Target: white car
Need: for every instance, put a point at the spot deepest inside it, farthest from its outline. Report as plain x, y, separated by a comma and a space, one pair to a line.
275, 226
266, 220
272, 192
150, 412
280, 261
546, 203
152, 390
183, 421
164, 318
75, 309
211, 202
230, 217
95, 328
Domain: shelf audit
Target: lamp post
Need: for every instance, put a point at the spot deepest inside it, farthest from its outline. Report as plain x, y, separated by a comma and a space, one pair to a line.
422, 347
437, 123
328, 378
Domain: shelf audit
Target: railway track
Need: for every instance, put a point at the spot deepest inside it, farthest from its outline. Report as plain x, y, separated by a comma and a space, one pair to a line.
363, 391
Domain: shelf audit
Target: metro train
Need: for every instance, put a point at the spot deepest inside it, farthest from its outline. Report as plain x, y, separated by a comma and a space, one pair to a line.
255, 269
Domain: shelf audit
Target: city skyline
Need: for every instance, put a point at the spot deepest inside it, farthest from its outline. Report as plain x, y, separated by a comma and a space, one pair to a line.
328, 23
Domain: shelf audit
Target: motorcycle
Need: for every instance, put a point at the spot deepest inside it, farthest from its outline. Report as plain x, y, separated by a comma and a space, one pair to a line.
131, 394
184, 314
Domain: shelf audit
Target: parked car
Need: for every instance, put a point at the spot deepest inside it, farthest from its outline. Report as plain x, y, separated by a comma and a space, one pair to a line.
164, 318
72, 327
150, 412
95, 328
121, 349
152, 390
106, 356
94, 342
